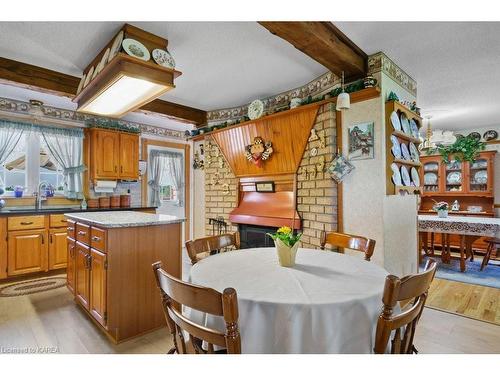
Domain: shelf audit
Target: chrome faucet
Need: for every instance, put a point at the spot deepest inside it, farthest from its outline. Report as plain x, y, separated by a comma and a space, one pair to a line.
38, 195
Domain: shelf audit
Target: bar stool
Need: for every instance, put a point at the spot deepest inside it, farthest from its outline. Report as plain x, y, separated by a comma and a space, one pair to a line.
493, 244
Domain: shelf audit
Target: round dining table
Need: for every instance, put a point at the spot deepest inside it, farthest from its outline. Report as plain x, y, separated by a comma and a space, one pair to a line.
327, 303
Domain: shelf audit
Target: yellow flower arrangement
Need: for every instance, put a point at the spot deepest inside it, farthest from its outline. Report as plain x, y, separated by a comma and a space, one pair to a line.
285, 234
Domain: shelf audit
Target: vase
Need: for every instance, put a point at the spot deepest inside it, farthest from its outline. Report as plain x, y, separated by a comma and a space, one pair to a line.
443, 214
286, 255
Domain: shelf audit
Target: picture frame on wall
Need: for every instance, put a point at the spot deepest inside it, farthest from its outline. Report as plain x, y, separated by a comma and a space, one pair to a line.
361, 141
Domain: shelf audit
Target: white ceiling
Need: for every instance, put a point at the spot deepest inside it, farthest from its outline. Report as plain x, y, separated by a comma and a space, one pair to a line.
456, 66
224, 64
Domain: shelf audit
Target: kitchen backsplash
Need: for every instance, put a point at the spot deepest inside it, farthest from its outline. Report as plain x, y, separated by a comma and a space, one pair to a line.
122, 188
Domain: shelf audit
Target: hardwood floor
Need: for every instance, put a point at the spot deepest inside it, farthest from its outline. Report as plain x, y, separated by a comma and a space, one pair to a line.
475, 301
52, 320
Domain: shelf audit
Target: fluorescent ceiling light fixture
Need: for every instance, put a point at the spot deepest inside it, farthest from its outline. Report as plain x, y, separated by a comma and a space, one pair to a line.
124, 95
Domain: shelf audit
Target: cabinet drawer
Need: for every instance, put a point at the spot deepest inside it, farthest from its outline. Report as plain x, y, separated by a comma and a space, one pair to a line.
83, 233
98, 239
70, 229
58, 221
26, 222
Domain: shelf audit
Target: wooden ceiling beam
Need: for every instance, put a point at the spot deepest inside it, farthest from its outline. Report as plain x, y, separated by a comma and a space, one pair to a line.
39, 79
325, 43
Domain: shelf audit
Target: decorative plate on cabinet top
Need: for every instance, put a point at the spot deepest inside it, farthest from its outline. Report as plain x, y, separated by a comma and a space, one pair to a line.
414, 153
90, 73
414, 176
396, 175
163, 58
115, 47
475, 135
80, 85
479, 164
255, 109
405, 152
454, 178
405, 176
490, 135
136, 49
481, 177
430, 178
414, 128
396, 148
405, 124
104, 60
396, 124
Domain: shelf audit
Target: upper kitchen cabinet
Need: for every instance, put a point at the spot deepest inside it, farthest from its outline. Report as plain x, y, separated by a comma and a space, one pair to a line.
113, 155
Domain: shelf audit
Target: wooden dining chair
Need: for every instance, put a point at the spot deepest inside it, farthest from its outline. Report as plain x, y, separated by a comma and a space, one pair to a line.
348, 241
203, 247
493, 244
401, 326
189, 337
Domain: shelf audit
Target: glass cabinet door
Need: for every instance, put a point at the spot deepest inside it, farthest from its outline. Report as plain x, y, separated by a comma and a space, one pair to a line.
478, 175
431, 176
454, 181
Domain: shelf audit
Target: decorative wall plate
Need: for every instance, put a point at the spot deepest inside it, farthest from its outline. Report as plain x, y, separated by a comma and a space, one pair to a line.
414, 176
255, 109
480, 164
405, 152
136, 49
490, 135
414, 128
454, 178
430, 178
163, 58
396, 148
104, 59
475, 135
396, 124
96, 71
115, 47
481, 177
339, 168
405, 124
80, 85
396, 175
428, 167
414, 153
90, 73
405, 176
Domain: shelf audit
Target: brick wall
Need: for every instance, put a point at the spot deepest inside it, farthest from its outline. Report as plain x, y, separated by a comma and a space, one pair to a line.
218, 201
316, 191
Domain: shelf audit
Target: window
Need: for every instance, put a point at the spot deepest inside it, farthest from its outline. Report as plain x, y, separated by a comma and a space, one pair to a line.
29, 164
168, 193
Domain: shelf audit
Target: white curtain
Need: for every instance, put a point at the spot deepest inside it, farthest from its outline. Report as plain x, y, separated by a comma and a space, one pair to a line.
10, 134
166, 168
67, 149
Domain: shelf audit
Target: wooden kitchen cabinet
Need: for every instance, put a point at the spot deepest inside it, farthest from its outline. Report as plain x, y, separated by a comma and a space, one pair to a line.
82, 274
27, 252
113, 155
58, 249
98, 288
129, 156
70, 270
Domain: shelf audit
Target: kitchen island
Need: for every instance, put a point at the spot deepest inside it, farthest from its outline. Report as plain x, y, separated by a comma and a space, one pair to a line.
109, 267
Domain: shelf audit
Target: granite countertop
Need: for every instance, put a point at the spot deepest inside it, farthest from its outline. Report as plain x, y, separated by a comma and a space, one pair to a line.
6, 211
123, 219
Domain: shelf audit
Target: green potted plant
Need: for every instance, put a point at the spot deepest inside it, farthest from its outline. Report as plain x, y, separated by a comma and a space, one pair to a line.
441, 208
286, 244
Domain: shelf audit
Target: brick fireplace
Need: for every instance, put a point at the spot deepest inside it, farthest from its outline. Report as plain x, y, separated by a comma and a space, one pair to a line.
315, 196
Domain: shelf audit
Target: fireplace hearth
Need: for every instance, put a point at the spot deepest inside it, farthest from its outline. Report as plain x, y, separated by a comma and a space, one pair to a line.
255, 236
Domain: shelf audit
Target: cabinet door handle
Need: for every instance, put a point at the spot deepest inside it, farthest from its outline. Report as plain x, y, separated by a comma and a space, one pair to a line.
70, 228
116, 168
96, 239
26, 222
43, 238
121, 169
64, 221
81, 233
51, 238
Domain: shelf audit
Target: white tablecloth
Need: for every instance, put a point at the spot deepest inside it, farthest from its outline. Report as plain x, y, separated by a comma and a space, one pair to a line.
327, 303
467, 225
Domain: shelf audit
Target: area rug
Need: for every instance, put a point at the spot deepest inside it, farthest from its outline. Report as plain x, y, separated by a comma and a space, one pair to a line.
490, 276
32, 286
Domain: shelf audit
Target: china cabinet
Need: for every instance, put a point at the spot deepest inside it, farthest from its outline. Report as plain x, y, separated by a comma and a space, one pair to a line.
467, 185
